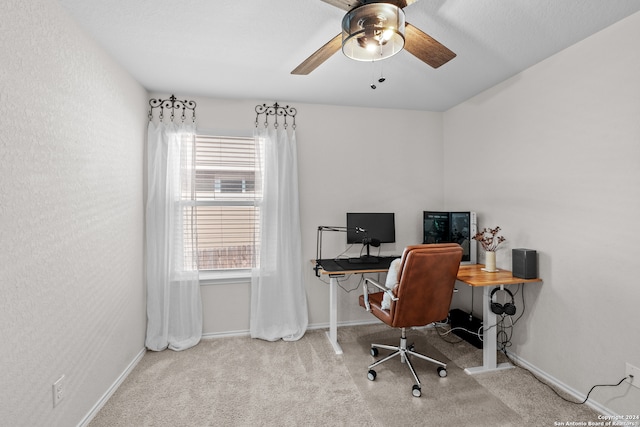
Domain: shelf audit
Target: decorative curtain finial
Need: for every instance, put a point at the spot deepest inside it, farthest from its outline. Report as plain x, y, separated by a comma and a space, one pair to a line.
172, 104
276, 110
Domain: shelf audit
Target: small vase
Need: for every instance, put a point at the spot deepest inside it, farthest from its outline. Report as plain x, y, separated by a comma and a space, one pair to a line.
490, 261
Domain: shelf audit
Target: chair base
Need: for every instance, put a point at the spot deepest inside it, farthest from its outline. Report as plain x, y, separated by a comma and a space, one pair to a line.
404, 351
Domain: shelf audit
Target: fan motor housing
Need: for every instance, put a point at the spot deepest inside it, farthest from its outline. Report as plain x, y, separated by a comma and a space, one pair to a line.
373, 32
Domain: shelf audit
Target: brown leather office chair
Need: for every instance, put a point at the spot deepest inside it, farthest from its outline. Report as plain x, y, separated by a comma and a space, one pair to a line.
422, 295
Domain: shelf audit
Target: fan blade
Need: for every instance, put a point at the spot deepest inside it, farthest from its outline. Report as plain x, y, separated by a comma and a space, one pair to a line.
319, 56
400, 3
426, 48
352, 4
344, 4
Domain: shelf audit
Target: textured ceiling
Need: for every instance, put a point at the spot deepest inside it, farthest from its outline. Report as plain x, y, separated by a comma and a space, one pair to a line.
246, 49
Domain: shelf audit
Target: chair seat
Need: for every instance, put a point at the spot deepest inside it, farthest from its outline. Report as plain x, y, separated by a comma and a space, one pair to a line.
375, 301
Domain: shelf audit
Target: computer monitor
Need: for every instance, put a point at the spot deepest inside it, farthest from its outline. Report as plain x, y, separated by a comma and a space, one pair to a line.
367, 226
452, 227
370, 229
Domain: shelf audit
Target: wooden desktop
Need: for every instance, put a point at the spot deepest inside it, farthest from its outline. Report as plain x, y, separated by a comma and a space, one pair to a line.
473, 275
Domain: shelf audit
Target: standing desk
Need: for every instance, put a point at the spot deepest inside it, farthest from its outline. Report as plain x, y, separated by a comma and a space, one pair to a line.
339, 268
473, 276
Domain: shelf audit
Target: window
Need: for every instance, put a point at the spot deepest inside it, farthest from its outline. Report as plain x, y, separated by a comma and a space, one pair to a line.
227, 216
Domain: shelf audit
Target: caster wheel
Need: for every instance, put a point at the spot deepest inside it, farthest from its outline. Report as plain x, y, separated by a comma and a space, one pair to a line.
411, 347
374, 351
442, 372
371, 375
416, 391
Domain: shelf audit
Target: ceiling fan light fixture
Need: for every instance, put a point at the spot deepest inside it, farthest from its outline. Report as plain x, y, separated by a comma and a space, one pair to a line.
373, 31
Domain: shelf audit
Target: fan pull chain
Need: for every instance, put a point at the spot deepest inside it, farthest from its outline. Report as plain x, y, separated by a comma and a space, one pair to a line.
373, 72
380, 80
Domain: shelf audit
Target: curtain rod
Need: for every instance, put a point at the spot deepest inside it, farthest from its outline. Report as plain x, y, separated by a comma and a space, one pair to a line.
172, 104
276, 110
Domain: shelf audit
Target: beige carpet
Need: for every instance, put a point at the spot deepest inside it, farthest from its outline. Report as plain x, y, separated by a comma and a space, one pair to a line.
240, 381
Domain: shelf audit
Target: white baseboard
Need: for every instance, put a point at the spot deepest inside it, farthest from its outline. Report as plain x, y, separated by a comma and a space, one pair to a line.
347, 323
105, 397
213, 335
560, 385
245, 332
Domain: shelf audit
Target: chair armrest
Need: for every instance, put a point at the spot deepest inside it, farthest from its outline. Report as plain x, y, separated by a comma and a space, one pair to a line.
376, 284
365, 291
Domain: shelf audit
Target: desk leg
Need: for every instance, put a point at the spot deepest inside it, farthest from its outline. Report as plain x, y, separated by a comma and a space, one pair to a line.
490, 336
333, 314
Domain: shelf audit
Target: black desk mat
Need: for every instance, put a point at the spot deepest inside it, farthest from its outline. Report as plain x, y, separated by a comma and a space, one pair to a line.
346, 266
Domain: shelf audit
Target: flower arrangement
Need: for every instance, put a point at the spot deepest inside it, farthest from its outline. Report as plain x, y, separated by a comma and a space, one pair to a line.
488, 239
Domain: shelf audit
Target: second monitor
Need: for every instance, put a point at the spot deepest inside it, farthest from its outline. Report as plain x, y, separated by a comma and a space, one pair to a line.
452, 227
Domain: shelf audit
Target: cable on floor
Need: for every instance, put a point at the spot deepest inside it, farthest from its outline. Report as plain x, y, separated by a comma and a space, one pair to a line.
558, 394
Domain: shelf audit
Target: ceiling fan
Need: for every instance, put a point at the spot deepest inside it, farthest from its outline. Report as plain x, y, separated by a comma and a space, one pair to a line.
377, 27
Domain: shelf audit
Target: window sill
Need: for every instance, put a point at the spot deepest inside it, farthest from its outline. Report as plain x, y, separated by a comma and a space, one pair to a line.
224, 277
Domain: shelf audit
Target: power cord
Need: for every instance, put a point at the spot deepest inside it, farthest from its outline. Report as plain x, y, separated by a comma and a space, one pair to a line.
597, 385
442, 335
558, 394
504, 335
340, 281
355, 288
336, 258
520, 290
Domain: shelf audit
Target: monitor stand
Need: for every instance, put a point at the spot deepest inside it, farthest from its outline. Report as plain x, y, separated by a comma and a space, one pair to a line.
365, 259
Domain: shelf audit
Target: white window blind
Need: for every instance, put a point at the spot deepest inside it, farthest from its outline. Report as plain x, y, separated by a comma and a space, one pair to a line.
227, 218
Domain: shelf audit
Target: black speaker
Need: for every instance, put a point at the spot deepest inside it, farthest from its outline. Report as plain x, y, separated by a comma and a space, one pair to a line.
508, 308
525, 263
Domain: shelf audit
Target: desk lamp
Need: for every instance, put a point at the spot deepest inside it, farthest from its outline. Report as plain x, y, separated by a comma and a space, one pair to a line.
322, 228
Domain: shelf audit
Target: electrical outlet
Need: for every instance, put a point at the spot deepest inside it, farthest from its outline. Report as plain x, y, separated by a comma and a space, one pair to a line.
635, 372
58, 391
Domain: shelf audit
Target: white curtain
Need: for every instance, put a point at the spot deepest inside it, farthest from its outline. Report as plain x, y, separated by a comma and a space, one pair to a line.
278, 297
174, 307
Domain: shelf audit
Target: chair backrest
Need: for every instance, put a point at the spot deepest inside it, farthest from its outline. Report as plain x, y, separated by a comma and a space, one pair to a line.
426, 279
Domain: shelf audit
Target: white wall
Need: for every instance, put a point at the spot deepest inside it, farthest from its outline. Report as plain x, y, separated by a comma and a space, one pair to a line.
553, 157
370, 160
71, 217
350, 159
